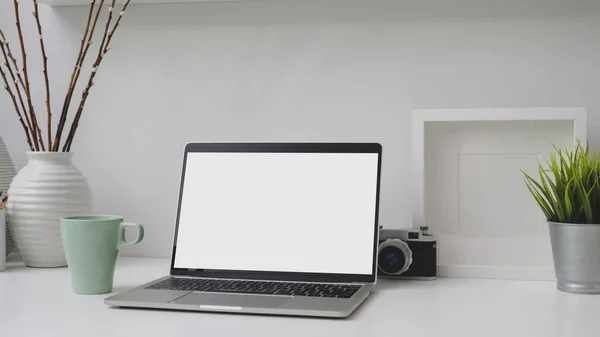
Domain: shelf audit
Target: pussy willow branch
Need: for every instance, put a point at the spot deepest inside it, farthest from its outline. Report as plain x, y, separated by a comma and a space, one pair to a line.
36, 129
21, 83
13, 59
83, 42
103, 49
6, 53
65, 110
45, 62
77, 71
112, 32
111, 9
14, 100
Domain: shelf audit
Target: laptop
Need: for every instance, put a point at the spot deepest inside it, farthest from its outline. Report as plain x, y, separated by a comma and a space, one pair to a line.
271, 228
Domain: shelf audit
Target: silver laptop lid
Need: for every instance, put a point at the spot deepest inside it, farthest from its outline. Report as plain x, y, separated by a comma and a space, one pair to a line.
278, 211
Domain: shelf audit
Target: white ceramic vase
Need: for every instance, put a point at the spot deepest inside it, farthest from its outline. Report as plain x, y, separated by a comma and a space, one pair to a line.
46, 189
7, 173
2, 242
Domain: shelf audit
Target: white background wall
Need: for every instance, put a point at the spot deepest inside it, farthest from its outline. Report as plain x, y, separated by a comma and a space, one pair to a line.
301, 70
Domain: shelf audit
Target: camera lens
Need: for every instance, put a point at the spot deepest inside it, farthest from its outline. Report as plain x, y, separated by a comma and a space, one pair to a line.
391, 259
394, 257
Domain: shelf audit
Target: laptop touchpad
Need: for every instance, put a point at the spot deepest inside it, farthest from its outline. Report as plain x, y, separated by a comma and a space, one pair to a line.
233, 300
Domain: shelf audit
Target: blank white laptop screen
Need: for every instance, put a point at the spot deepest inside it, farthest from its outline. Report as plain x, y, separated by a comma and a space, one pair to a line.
278, 212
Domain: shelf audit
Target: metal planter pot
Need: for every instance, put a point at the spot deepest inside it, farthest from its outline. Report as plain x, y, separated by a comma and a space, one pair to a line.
576, 251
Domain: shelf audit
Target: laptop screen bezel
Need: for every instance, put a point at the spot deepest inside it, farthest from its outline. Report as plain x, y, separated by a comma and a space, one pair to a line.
281, 148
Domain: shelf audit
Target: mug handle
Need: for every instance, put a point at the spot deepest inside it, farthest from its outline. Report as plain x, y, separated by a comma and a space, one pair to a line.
140, 235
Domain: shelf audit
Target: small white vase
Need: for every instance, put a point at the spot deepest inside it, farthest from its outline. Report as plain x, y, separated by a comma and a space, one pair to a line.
7, 173
46, 189
2, 242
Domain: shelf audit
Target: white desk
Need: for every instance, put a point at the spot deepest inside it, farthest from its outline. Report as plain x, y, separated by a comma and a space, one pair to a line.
39, 302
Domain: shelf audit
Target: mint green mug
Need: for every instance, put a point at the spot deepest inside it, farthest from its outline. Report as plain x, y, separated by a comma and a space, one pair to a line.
92, 244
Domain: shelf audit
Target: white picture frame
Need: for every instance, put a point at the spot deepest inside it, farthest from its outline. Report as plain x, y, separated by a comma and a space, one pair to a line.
420, 120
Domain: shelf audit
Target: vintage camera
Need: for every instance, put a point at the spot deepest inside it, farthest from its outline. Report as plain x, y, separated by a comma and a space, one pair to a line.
407, 254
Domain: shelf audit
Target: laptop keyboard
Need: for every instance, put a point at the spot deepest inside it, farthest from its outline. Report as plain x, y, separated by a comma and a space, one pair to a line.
258, 287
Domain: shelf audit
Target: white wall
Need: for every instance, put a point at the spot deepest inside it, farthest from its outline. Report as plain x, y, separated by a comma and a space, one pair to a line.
304, 70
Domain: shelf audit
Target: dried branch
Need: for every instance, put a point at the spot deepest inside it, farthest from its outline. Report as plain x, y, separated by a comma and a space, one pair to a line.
77, 72
21, 84
45, 61
26, 76
103, 49
6, 52
14, 62
112, 32
38, 133
83, 42
12, 96
64, 112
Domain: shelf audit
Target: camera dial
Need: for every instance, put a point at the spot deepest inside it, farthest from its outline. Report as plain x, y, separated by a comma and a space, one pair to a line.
395, 257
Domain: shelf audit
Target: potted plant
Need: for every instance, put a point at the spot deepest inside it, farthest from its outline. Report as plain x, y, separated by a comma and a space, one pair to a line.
50, 186
568, 192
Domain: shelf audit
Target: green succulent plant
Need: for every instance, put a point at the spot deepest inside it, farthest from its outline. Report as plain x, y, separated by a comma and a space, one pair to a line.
568, 189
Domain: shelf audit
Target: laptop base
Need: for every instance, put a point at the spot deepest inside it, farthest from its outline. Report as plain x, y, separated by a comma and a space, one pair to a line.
141, 297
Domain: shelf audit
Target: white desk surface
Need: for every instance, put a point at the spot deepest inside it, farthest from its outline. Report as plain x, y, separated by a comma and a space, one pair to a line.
39, 302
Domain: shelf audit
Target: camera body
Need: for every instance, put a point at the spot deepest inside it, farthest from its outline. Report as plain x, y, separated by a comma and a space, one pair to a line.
407, 254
